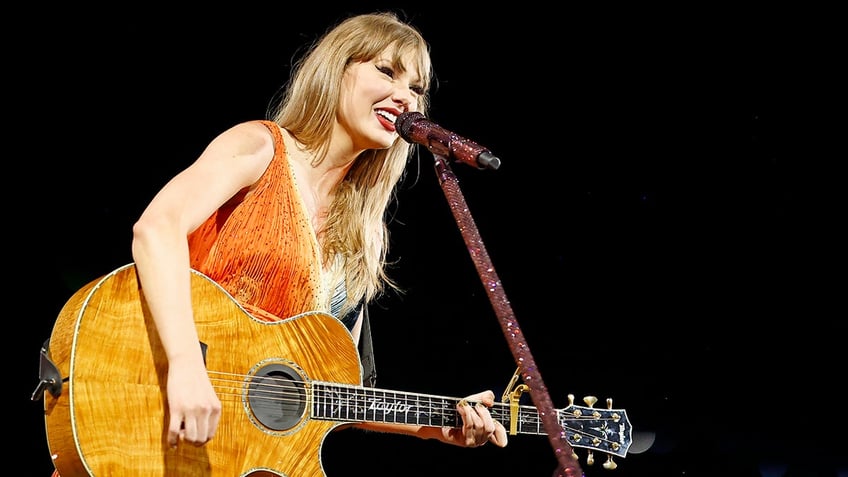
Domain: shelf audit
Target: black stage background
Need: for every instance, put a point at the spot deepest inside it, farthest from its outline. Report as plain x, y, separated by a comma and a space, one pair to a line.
663, 223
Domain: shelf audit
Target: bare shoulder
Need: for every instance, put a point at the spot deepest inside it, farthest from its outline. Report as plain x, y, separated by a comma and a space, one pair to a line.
247, 138
243, 151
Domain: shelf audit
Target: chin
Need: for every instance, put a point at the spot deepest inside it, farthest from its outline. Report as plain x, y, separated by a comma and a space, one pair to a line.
384, 142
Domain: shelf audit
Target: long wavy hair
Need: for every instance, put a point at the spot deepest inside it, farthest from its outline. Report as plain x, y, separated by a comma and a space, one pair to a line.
355, 240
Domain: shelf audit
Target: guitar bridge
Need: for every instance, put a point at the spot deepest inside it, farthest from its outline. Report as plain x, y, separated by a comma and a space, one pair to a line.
49, 378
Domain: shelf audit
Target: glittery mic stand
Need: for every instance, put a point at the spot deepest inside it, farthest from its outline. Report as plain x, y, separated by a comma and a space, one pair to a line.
538, 391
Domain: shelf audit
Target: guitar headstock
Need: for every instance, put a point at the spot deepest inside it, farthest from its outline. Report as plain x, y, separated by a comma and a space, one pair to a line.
597, 429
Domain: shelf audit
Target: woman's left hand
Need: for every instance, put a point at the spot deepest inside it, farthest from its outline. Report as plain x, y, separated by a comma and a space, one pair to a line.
478, 426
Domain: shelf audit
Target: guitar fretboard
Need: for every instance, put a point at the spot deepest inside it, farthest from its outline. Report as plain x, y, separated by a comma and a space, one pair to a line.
343, 403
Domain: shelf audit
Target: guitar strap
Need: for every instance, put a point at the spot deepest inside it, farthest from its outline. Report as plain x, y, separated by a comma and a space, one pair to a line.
366, 351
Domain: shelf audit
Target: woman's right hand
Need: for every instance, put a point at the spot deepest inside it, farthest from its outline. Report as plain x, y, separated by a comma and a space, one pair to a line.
194, 408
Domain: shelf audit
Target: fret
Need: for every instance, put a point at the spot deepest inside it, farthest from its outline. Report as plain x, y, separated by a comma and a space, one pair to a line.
346, 403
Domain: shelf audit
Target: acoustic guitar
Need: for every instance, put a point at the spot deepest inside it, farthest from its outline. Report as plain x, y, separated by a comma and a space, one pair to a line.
283, 386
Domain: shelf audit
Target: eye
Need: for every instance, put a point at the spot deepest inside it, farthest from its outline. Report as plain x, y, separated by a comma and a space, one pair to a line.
386, 71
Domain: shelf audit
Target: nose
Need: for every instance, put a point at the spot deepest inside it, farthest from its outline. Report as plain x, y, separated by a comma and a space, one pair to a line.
405, 98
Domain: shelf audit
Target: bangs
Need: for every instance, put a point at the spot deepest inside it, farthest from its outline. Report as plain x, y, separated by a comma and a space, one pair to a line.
415, 55
408, 50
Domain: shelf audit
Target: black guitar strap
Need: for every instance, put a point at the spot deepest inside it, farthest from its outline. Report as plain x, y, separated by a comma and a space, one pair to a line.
366, 351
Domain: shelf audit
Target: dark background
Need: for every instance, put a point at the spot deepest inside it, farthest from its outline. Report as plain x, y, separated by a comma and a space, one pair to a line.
664, 221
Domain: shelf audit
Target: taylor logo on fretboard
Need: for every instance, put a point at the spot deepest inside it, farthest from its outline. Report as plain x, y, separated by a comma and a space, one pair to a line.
283, 386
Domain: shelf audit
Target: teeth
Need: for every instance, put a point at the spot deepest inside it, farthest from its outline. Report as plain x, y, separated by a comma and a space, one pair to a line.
391, 117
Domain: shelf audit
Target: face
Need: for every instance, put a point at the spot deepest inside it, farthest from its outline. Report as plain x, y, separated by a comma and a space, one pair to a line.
373, 94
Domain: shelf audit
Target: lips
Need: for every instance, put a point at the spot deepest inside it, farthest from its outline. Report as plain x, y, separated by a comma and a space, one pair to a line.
387, 119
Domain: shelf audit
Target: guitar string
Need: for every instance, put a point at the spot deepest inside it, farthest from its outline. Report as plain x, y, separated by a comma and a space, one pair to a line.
284, 390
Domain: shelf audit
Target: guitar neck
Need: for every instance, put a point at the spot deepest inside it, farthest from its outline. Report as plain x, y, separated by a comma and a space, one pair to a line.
606, 430
345, 403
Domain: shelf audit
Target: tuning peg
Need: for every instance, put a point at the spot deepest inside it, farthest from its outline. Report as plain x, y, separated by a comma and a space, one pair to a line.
590, 400
590, 458
609, 464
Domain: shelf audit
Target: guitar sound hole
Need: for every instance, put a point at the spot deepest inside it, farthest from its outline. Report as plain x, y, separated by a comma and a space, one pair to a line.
276, 397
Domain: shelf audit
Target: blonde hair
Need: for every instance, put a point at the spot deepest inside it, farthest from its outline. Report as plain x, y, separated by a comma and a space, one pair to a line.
355, 237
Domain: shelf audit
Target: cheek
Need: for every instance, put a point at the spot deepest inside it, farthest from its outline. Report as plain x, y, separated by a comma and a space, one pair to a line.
364, 89
370, 84
348, 95
375, 89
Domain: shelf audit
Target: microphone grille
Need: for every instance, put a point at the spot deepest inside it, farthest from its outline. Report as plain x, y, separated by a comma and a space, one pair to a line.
404, 123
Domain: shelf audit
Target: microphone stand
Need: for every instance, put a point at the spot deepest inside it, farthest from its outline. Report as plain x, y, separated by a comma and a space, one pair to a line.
569, 467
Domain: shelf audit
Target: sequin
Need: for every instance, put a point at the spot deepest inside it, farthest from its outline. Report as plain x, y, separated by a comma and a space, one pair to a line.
261, 246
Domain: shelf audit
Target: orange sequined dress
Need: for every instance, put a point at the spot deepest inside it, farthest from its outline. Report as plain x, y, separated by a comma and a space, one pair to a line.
261, 247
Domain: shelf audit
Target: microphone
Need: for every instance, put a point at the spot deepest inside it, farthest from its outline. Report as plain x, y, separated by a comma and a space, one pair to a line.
415, 128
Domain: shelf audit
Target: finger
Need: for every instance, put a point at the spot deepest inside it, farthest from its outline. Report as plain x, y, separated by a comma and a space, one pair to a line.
214, 419
488, 426
484, 425
499, 437
189, 432
470, 422
207, 425
485, 418
487, 398
201, 431
174, 429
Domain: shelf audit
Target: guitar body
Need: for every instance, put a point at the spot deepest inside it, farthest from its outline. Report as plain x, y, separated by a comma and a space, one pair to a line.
111, 416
